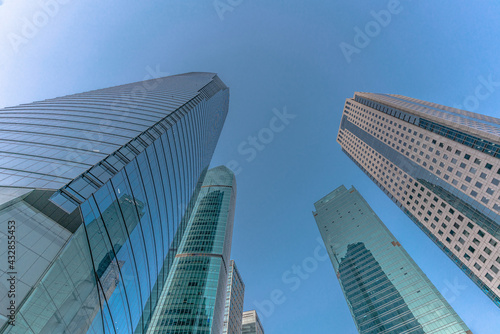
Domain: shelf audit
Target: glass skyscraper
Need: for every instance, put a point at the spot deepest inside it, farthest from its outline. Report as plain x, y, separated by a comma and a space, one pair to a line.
235, 294
251, 323
440, 165
385, 289
194, 296
100, 187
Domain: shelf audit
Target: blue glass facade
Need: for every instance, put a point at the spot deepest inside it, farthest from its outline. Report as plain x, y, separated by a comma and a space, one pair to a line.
116, 172
363, 280
385, 290
194, 296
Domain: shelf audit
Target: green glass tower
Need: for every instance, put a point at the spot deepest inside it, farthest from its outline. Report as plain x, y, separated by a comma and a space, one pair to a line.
194, 296
385, 289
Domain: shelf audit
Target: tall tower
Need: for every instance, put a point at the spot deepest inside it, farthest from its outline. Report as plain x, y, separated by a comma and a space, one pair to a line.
194, 296
385, 289
440, 165
251, 323
235, 294
100, 186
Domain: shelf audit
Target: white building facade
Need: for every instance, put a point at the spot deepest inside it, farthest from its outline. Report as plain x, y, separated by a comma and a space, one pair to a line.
441, 166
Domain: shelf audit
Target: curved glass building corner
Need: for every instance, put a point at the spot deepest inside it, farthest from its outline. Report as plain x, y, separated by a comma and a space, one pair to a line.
101, 186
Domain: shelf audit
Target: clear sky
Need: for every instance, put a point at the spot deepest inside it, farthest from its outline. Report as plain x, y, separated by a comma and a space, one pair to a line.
278, 58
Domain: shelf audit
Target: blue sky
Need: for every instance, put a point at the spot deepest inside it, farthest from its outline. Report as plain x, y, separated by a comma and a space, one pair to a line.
276, 56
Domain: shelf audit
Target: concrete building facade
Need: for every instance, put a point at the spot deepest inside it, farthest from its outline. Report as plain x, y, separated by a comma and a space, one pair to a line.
440, 165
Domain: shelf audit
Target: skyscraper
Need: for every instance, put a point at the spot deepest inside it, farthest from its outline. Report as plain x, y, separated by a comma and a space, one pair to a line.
385, 289
235, 294
100, 186
251, 323
194, 296
440, 165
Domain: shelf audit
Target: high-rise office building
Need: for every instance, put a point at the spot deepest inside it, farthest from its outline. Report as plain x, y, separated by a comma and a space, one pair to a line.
99, 187
440, 165
385, 289
251, 323
194, 296
235, 294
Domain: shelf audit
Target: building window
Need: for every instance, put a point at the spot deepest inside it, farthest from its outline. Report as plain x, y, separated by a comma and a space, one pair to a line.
487, 250
477, 266
493, 242
471, 249
494, 269
489, 277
